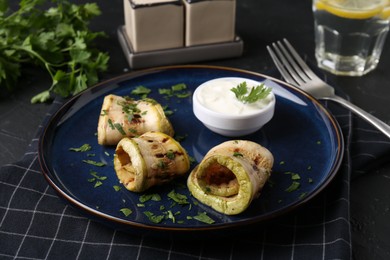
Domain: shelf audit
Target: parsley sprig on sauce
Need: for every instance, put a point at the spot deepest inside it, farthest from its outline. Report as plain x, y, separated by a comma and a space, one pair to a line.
256, 93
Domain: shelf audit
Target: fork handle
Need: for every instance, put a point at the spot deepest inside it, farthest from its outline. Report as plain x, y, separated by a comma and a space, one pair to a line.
380, 125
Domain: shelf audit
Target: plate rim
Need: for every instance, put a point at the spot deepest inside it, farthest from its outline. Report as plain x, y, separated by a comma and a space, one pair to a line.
93, 213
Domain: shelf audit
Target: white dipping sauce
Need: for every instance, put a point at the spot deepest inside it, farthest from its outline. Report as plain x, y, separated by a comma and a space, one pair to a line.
217, 96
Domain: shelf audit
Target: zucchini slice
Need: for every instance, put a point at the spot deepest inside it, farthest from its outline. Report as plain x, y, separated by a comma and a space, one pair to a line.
153, 158
231, 175
123, 117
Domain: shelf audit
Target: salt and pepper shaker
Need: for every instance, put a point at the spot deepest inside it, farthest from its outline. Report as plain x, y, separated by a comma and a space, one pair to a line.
209, 21
168, 24
154, 24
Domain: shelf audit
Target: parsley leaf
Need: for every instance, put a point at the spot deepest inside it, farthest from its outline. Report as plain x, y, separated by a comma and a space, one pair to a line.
83, 148
255, 94
293, 187
126, 211
177, 197
98, 164
154, 218
202, 217
141, 91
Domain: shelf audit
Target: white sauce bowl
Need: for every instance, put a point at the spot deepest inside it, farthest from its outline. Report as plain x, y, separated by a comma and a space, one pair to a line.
217, 107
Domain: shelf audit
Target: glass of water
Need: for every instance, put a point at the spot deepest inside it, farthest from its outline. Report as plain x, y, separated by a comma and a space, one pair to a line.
350, 34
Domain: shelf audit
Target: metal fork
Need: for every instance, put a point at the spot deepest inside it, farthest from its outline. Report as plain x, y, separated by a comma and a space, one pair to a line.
296, 72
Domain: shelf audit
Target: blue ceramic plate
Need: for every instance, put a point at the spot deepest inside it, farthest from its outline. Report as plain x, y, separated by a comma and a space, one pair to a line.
304, 138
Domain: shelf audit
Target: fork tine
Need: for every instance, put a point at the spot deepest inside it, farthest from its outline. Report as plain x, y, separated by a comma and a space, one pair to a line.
287, 65
290, 64
286, 75
300, 61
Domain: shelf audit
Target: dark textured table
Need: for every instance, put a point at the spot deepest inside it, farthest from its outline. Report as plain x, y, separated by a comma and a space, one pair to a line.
258, 23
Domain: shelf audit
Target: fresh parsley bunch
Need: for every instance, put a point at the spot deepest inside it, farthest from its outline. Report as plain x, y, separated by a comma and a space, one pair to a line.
57, 39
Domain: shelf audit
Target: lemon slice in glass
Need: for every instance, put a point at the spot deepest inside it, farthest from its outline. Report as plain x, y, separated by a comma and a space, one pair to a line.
355, 9
386, 12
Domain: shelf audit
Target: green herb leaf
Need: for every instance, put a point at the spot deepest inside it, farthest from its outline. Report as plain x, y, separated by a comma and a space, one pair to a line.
141, 91
295, 176
126, 211
202, 217
293, 187
178, 198
119, 128
178, 90
255, 94
154, 218
117, 188
97, 184
99, 164
171, 155
146, 197
111, 124
237, 154
302, 195
171, 216
83, 148
41, 97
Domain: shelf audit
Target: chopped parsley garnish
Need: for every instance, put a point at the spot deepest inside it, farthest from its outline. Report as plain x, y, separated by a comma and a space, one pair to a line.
167, 111
146, 197
117, 188
83, 148
129, 108
295, 176
202, 217
98, 180
119, 128
97, 184
179, 87
141, 91
237, 154
111, 124
171, 216
293, 187
126, 211
177, 197
255, 94
171, 155
178, 90
99, 164
154, 218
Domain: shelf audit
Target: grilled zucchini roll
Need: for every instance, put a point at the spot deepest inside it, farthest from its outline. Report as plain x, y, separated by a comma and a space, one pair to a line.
231, 175
153, 158
121, 117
